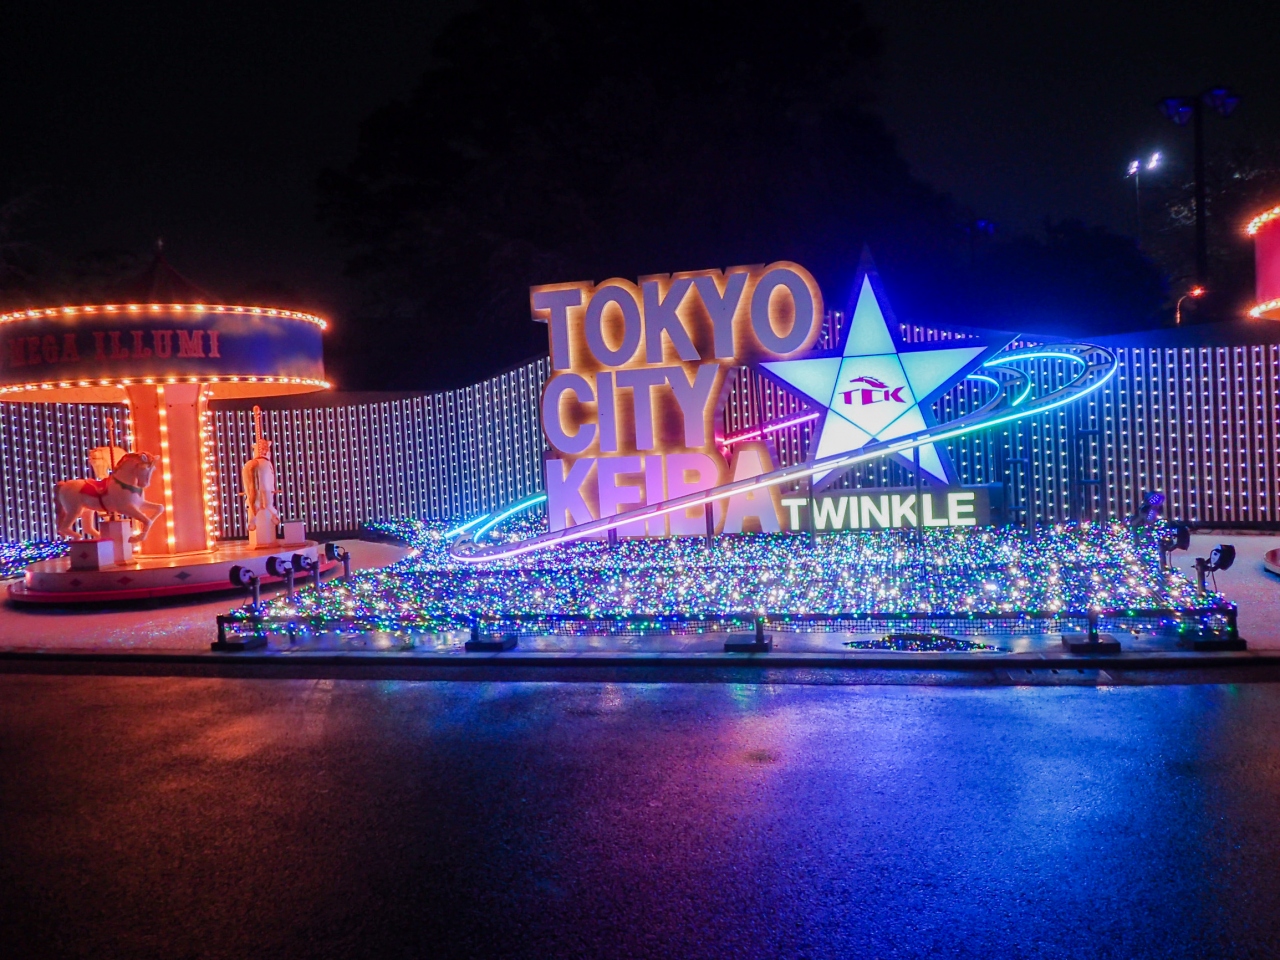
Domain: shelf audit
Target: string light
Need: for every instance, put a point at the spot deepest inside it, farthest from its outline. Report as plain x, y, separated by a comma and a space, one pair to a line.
1264, 308
41, 313
1010, 572
208, 469
131, 381
167, 476
773, 427
1261, 220
17, 554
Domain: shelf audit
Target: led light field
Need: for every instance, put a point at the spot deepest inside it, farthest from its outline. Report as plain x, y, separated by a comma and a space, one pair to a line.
1007, 573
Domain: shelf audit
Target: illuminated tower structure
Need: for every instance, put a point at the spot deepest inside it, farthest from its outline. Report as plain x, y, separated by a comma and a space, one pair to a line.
165, 348
1265, 230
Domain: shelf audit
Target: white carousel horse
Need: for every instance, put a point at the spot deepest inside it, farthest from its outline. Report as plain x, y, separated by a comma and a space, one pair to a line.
259, 476
101, 459
120, 493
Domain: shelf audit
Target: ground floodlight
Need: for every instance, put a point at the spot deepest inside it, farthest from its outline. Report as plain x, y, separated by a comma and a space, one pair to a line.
278, 566
1222, 557
242, 576
1183, 537
1149, 508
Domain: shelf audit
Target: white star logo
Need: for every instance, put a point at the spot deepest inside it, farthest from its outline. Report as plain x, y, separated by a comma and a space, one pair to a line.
875, 388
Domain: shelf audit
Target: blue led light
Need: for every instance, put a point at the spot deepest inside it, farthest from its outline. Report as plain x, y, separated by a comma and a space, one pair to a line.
520, 505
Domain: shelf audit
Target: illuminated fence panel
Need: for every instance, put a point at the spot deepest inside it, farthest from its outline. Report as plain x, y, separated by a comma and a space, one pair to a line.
1199, 423
40, 444
341, 463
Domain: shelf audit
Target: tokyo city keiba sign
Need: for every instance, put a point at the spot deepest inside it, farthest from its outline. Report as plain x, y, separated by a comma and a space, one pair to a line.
638, 373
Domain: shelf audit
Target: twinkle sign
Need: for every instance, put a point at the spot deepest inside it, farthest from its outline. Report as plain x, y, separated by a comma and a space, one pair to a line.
639, 369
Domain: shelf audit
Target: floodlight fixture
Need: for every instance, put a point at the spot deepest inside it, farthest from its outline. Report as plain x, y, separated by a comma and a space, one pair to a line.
1175, 537
244, 577
1221, 557
1178, 109
1149, 509
1134, 172
1221, 99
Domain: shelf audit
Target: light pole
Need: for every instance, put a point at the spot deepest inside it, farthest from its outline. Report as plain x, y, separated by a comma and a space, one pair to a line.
1184, 110
1195, 293
1135, 173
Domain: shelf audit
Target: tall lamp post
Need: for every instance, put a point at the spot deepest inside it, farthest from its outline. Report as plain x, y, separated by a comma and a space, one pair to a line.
1184, 110
1134, 172
1195, 293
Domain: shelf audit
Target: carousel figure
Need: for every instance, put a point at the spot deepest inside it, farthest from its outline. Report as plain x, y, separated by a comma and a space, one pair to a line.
121, 492
112, 526
259, 476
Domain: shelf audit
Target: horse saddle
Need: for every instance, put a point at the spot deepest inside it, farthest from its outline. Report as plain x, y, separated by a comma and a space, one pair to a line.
95, 488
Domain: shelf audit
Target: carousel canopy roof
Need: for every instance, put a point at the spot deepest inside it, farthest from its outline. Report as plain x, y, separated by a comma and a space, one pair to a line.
161, 283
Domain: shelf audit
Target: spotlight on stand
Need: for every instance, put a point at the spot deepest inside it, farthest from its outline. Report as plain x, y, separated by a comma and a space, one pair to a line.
1221, 557
1177, 537
244, 577
1149, 509
280, 567
1147, 517
334, 551
1215, 637
304, 564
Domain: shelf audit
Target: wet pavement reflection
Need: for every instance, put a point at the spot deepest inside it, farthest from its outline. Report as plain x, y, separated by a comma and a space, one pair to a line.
330, 818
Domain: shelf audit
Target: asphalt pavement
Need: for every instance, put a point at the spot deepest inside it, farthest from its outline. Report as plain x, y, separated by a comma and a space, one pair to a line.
177, 817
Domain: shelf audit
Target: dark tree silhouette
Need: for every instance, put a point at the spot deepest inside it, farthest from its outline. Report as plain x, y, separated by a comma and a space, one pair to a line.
1076, 280
570, 140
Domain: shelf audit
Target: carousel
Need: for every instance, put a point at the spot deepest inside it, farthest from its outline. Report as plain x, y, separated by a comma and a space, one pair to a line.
145, 524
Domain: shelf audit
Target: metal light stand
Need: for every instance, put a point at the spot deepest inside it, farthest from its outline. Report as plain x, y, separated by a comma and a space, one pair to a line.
759, 642
483, 643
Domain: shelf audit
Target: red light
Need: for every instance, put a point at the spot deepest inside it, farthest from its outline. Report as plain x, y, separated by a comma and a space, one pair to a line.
1196, 292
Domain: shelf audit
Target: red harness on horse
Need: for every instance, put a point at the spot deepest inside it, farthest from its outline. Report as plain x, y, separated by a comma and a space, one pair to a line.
97, 489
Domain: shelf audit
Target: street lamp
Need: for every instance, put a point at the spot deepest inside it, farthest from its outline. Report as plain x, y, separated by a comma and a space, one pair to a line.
1135, 173
1184, 110
1195, 293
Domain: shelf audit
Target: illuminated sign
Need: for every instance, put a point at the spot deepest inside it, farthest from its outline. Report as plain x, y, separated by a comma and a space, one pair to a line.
66, 348
883, 508
875, 387
639, 369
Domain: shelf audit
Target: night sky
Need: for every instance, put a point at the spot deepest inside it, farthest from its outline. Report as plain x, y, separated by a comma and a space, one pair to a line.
209, 127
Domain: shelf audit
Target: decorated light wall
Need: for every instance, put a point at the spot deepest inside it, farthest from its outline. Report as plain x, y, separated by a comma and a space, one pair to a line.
449, 454
1200, 423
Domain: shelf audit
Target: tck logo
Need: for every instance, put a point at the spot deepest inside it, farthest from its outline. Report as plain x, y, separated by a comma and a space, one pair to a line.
876, 391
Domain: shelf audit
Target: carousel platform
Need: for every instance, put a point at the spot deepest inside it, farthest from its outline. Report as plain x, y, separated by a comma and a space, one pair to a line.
54, 582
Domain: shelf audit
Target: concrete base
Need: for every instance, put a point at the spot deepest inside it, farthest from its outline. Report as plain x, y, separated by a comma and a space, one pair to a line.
1218, 645
1080, 643
492, 644
92, 555
748, 643
53, 581
239, 645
